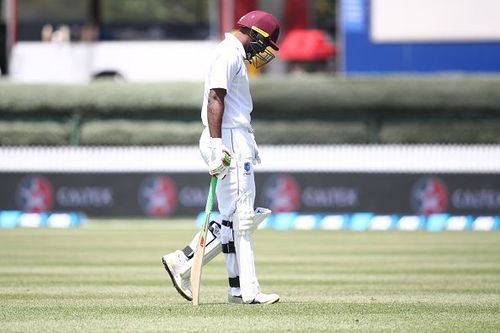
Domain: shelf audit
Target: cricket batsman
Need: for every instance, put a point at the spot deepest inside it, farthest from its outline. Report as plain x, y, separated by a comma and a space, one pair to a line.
226, 115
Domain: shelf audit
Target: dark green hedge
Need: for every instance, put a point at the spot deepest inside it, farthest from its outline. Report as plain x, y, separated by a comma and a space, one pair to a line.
102, 99
287, 110
118, 132
450, 132
309, 132
130, 132
115, 132
393, 97
34, 133
295, 97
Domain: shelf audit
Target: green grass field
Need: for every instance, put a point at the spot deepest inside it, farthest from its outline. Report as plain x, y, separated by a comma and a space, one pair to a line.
107, 276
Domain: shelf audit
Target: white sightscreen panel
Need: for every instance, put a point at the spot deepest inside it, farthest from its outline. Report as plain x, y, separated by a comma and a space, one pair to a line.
435, 20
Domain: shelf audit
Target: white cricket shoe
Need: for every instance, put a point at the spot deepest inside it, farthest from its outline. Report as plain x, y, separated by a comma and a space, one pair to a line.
261, 298
173, 263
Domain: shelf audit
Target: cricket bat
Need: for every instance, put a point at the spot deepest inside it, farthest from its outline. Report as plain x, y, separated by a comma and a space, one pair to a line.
200, 248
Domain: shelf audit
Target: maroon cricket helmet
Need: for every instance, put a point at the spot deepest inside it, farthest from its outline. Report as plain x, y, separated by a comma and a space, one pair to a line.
263, 23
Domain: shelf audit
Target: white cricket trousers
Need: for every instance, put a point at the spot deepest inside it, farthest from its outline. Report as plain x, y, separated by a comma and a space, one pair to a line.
240, 177
239, 182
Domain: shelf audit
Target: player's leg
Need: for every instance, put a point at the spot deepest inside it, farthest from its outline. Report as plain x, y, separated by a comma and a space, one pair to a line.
178, 263
239, 180
227, 242
227, 191
245, 222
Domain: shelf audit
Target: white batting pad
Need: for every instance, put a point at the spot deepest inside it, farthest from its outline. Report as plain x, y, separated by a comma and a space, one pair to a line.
249, 285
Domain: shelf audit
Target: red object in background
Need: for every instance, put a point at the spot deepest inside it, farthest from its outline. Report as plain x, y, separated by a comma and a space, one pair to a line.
243, 7
296, 14
230, 11
306, 45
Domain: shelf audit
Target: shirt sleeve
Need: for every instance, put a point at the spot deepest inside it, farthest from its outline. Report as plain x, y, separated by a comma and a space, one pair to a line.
223, 70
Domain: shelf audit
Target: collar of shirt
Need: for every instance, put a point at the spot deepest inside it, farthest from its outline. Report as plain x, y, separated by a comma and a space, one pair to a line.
236, 43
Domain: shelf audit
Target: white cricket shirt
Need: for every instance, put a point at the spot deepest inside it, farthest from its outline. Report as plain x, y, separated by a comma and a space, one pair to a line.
227, 71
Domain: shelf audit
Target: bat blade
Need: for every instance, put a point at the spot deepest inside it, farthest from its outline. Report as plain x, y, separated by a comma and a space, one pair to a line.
200, 248
197, 266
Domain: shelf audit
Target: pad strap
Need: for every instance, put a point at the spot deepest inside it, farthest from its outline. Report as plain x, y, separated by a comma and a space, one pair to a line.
234, 282
228, 248
188, 252
227, 224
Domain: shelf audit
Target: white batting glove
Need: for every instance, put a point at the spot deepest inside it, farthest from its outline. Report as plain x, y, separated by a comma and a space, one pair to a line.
220, 159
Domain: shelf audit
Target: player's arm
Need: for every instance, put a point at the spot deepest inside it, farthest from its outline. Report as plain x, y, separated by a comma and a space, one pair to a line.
220, 157
215, 111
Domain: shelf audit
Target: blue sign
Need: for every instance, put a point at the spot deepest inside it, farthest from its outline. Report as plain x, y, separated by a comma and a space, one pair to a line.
361, 55
353, 15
